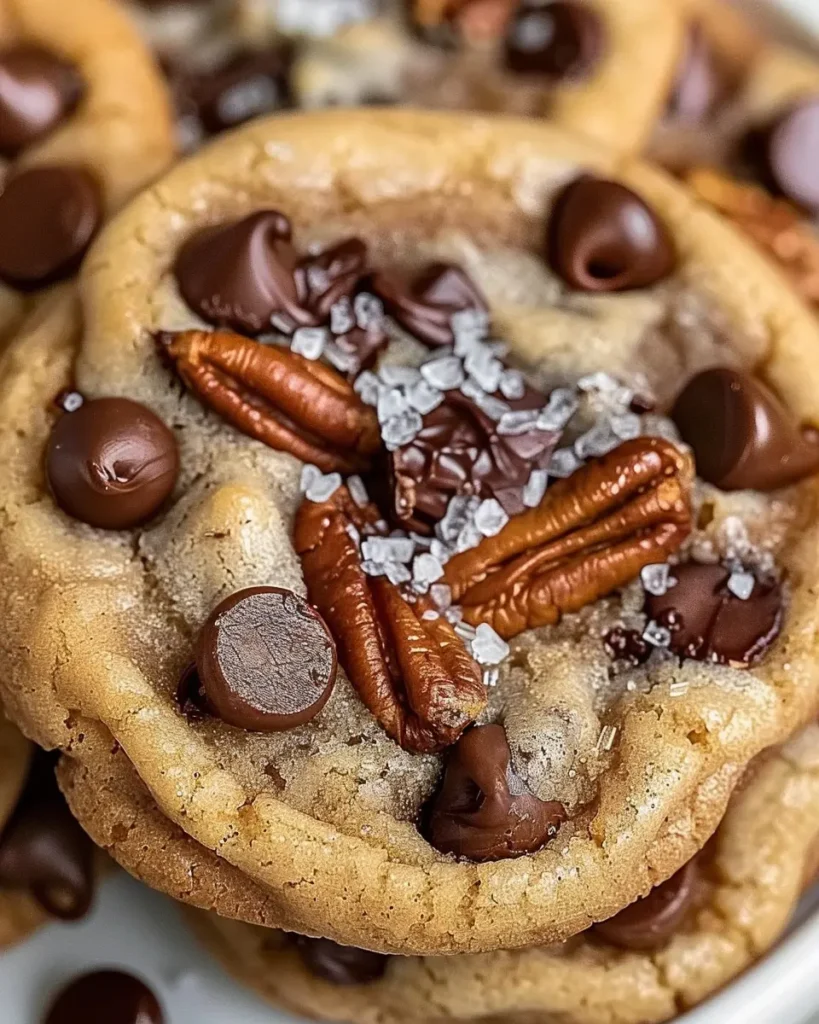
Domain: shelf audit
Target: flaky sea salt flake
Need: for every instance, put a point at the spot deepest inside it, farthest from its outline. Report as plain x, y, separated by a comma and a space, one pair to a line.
656, 635
441, 595
401, 430
358, 492
369, 311
309, 342
426, 570
741, 584
487, 647
309, 474
535, 488
490, 517
444, 373
341, 359
512, 384
368, 387
322, 488
626, 426
391, 403
563, 463
342, 320
512, 424
656, 578
398, 574
397, 376
465, 631
423, 397
388, 549
485, 367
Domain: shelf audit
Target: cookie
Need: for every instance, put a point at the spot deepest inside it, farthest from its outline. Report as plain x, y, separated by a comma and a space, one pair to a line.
687, 940
602, 67
622, 662
84, 123
46, 860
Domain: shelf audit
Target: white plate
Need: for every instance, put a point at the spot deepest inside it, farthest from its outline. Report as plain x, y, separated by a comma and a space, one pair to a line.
142, 932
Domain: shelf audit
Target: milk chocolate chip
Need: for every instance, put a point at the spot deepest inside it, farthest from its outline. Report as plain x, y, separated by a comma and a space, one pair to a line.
741, 434
650, 922
48, 217
563, 40
38, 90
602, 237
708, 619
340, 965
266, 660
484, 811
785, 153
426, 305
44, 851
238, 275
112, 463
105, 997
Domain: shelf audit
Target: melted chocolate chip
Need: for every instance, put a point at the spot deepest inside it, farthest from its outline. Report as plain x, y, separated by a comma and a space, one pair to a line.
266, 660
602, 237
425, 306
340, 965
701, 84
484, 811
248, 84
112, 463
330, 276
105, 997
563, 40
741, 434
238, 275
785, 152
38, 90
48, 217
708, 622
650, 922
459, 451
44, 851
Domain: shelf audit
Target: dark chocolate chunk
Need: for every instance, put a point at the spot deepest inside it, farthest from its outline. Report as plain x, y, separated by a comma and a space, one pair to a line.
784, 153
48, 217
248, 84
563, 40
340, 965
105, 997
602, 237
38, 90
331, 275
426, 305
649, 923
708, 622
238, 275
484, 811
701, 83
460, 451
741, 434
44, 851
266, 660
112, 463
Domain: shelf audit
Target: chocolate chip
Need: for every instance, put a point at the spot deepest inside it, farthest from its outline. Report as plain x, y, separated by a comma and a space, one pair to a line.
112, 463
190, 696
700, 84
741, 434
708, 622
266, 660
238, 275
340, 965
484, 811
563, 40
602, 237
331, 275
48, 217
44, 851
425, 306
784, 153
627, 645
105, 997
248, 84
38, 90
649, 923
459, 451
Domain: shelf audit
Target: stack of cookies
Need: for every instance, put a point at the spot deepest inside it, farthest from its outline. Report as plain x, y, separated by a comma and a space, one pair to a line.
410, 520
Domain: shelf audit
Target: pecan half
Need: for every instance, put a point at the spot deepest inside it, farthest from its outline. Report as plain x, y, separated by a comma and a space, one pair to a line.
414, 674
778, 228
282, 399
592, 533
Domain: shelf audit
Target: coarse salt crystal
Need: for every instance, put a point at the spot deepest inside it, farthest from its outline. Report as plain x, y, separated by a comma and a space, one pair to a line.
358, 492
391, 403
741, 584
490, 517
487, 647
388, 549
369, 310
512, 384
341, 316
309, 342
563, 463
401, 430
322, 488
535, 488
444, 373
426, 570
396, 376
656, 635
423, 397
656, 578
368, 387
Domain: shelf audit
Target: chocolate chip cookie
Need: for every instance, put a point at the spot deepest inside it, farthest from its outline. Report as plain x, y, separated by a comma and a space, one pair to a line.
430, 520
603, 67
84, 123
662, 955
46, 860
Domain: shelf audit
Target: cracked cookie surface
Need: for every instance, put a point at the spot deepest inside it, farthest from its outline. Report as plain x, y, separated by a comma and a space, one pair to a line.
324, 815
